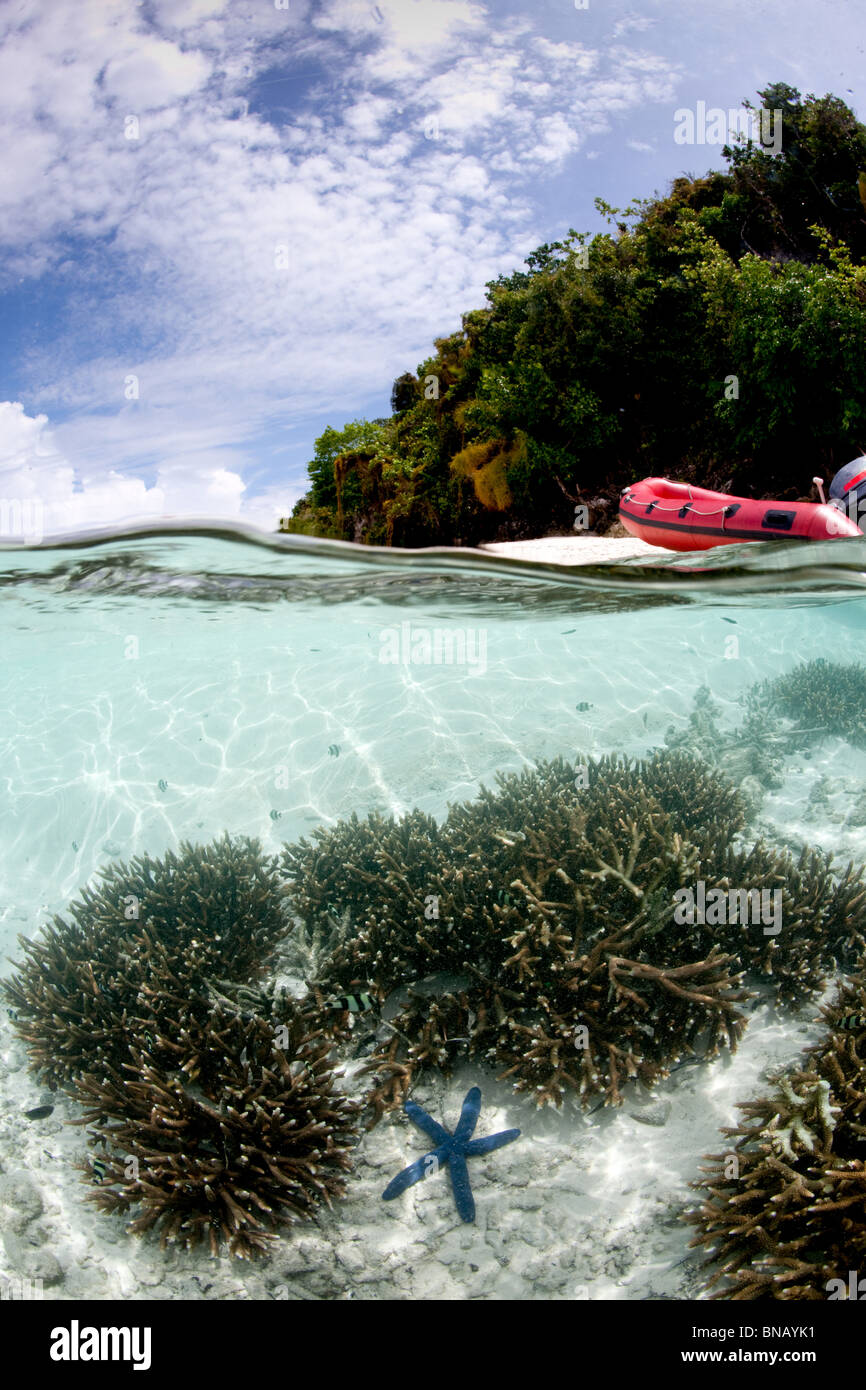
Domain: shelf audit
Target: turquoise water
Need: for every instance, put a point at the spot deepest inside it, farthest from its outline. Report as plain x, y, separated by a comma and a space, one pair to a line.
226, 669
162, 687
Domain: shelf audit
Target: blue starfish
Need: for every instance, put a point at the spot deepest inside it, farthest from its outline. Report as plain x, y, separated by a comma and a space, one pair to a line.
453, 1149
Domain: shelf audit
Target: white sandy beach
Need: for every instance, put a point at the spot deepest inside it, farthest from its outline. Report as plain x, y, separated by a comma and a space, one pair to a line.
579, 550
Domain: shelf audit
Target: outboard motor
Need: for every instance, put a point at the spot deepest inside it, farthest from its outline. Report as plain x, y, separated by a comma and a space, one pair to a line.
848, 489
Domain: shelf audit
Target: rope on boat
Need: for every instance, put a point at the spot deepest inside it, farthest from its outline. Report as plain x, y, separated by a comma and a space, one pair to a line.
681, 507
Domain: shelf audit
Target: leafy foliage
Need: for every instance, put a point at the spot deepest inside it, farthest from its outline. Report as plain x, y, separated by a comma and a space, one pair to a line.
716, 333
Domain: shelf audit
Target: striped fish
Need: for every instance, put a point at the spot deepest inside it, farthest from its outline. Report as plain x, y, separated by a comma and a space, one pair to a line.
352, 1003
99, 1169
853, 1021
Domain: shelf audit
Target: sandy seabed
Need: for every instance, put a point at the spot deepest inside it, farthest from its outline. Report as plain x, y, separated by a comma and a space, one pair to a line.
581, 1206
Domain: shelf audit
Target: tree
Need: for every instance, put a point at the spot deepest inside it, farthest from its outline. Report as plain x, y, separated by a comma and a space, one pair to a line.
605, 360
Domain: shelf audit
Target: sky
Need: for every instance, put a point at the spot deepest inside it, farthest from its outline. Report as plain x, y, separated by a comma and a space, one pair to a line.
227, 224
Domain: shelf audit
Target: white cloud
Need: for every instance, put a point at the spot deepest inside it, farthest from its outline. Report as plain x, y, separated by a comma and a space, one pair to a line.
40, 490
153, 74
632, 23
388, 235
184, 14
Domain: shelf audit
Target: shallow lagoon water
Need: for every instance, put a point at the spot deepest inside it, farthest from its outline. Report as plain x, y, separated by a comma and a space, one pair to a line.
166, 686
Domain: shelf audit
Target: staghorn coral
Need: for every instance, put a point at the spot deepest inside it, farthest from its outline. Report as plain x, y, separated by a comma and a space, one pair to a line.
821, 697
823, 916
212, 1095
362, 868
753, 751
546, 909
145, 930
785, 1212
224, 1134
555, 903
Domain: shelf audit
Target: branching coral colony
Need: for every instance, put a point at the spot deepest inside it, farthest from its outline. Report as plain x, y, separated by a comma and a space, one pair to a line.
217, 1118
784, 1209
551, 900
536, 929
812, 701
820, 697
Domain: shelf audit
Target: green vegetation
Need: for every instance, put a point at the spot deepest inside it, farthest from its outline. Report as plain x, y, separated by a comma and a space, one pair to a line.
716, 334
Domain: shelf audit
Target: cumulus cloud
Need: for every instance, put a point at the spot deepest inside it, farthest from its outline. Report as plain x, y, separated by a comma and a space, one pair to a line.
258, 260
154, 73
632, 23
42, 494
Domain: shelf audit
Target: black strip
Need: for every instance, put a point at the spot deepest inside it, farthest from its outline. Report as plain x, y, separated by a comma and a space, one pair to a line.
782, 520
756, 534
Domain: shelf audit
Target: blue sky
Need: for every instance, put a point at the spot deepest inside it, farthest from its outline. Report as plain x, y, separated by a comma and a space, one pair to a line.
224, 226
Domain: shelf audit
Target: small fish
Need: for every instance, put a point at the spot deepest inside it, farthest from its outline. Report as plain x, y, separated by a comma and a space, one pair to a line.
353, 1003
75, 846
365, 1045
162, 784
334, 750
569, 631
730, 620
853, 1021
99, 1170
583, 706
39, 1112
276, 815
14, 1015
430, 987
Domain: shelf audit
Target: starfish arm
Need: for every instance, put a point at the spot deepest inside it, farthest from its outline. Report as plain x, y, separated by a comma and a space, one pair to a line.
427, 1163
468, 1116
425, 1122
491, 1142
461, 1188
